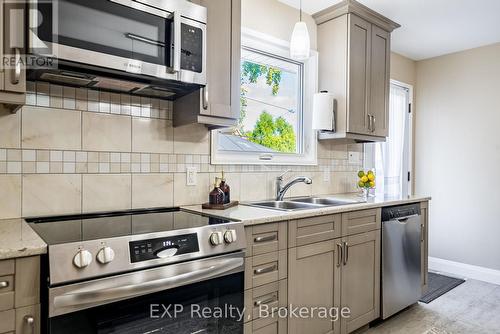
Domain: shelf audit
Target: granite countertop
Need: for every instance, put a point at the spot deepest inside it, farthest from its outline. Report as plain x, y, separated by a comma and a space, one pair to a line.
17, 239
252, 215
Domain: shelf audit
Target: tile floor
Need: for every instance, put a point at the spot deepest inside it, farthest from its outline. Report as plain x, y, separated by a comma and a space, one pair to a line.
471, 308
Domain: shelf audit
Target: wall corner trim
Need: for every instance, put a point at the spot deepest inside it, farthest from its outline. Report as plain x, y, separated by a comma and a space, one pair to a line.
464, 270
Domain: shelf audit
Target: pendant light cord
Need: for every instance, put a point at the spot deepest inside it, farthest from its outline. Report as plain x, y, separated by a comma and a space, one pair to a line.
300, 15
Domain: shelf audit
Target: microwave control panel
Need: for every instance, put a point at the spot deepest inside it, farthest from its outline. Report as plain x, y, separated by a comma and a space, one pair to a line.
152, 249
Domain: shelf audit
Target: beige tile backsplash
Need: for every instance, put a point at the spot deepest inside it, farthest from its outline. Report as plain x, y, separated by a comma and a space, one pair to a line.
77, 150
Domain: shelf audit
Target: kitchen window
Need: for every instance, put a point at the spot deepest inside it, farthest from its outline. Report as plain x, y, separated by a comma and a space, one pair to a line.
275, 103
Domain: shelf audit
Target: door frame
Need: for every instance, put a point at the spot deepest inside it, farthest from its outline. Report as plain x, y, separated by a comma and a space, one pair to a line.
369, 152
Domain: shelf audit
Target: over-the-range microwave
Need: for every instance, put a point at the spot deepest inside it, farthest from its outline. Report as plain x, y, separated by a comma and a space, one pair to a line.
146, 47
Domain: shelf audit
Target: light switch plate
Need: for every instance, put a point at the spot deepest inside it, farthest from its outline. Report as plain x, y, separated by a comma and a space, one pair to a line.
191, 176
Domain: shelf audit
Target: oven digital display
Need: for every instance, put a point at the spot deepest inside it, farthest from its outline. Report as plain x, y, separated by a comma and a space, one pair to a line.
152, 249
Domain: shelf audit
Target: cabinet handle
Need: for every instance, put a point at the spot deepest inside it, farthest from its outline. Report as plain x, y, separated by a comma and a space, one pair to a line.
369, 122
266, 301
204, 98
374, 123
422, 234
346, 253
266, 239
30, 321
339, 255
17, 70
265, 270
4, 284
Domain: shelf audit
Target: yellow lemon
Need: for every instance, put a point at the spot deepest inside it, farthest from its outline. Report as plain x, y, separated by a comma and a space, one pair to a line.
372, 184
361, 174
364, 179
361, 184
371, 177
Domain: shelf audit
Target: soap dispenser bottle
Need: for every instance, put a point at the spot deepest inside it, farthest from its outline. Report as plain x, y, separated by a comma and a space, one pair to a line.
225, 189
216, 196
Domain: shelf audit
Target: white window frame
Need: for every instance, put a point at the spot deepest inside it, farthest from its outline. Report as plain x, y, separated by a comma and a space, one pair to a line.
369, 152
274, 46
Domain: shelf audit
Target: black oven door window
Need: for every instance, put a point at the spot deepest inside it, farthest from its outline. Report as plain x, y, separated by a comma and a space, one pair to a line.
198, 308
107, 27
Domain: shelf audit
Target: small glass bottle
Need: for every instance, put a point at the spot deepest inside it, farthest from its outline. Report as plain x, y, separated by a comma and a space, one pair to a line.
216, 196
225, 189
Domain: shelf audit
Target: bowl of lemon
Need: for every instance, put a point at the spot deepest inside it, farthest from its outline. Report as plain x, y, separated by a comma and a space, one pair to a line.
366, 181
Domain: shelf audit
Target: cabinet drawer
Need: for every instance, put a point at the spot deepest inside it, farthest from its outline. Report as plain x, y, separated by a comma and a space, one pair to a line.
7, 321
315, 229
266, 238
361, 221
6, 293
270, 295
7, 267
272, 325
23, 316
265, 268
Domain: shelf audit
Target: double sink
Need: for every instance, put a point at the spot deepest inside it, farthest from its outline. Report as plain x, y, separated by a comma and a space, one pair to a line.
305, 203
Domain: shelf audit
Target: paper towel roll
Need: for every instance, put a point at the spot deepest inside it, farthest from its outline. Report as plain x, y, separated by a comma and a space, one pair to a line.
324, 111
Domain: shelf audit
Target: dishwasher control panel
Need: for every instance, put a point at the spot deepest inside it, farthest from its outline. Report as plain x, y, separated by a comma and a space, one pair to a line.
400, 211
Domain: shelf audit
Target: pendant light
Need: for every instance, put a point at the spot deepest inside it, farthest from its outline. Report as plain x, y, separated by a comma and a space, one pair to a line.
300, 43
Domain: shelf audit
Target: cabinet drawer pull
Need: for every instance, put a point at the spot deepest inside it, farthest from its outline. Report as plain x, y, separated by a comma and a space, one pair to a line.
339, 255
266, 239
204, 98
30, 321
265, 270
266, 301
374, 120
422, 233
4, 284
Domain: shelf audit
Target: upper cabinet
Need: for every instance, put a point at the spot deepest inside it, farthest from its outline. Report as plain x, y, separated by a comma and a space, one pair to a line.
12, 72
217, 104
354, 44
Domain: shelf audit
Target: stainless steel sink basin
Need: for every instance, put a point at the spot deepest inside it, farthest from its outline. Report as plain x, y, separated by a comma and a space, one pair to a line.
285, 205
326, 201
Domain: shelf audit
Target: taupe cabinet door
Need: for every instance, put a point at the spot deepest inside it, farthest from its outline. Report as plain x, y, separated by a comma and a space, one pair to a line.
424, 207
360, 35
361, 279
314, 280
222, 92
379, 81
12, 45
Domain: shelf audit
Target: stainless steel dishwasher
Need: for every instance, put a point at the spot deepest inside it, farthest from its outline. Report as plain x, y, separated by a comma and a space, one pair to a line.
401, 277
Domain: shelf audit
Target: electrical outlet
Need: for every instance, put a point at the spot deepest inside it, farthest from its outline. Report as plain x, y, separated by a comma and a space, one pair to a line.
354, 157
191, 176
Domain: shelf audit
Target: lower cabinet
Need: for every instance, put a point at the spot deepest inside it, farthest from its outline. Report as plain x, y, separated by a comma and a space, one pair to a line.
424, 240
314, 281
361, 279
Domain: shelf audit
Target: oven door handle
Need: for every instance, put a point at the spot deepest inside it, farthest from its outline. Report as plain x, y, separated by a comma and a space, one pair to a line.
136, 287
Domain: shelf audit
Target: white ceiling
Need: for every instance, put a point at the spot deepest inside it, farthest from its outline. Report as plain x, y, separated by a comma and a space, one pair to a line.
431, 28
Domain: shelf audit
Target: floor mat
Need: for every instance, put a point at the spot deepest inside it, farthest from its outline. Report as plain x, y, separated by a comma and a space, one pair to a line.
438, 285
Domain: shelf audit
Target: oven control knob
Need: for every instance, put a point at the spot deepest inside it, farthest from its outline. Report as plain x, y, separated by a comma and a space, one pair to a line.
230, 236
105, 255
216, 238
82, 259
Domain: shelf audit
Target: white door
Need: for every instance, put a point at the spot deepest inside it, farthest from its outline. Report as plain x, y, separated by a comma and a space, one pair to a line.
392, 159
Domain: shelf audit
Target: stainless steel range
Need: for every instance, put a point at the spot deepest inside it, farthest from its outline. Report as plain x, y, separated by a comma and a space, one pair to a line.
119, 272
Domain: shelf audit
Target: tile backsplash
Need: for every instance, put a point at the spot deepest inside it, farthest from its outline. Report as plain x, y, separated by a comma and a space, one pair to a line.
78, 150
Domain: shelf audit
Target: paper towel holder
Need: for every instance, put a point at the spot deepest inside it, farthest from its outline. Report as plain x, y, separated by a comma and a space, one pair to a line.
333, 127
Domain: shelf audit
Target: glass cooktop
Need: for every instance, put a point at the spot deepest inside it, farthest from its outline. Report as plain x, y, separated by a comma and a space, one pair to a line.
74, 228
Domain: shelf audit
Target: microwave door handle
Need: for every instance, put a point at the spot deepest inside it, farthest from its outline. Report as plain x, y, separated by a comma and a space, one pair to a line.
144, 39
176, 59
133, 288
